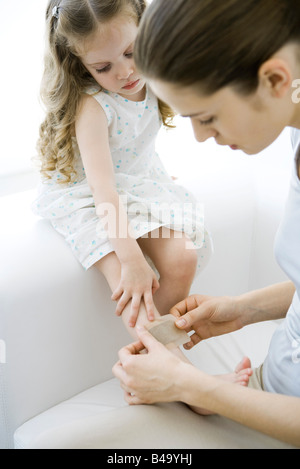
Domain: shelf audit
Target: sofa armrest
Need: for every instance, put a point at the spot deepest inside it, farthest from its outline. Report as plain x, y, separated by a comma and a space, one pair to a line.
57, 321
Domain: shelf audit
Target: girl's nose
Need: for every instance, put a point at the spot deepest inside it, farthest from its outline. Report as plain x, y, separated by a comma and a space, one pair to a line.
202, 133
124, 71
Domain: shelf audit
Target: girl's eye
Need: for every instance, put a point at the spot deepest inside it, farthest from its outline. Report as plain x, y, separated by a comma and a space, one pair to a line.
208, 121
104, 69
129, 55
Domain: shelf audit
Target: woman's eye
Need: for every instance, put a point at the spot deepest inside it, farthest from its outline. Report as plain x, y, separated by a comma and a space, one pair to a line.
129, 55
207, 122
104, 69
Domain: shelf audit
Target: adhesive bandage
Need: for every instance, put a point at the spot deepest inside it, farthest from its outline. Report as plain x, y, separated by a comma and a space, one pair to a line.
165, 331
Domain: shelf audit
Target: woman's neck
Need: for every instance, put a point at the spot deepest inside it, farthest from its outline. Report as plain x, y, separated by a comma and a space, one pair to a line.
297, 113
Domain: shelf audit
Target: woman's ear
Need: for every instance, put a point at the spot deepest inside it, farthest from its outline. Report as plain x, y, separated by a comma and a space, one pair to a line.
275, 75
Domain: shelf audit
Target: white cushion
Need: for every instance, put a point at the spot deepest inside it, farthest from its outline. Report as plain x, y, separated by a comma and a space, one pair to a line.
100, 418
94, 401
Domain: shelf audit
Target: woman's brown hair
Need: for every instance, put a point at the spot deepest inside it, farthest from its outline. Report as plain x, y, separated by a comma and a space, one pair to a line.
65, 79
214, 43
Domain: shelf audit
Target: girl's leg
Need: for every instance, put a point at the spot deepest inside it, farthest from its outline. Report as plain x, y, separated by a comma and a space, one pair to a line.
176, 261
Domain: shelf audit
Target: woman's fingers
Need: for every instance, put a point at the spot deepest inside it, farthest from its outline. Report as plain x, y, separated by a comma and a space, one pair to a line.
195, 339
185, 306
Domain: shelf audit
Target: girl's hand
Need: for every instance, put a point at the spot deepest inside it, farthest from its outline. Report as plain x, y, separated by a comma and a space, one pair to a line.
138, 283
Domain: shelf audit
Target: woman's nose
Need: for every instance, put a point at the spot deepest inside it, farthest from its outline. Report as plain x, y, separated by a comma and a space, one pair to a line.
201, 132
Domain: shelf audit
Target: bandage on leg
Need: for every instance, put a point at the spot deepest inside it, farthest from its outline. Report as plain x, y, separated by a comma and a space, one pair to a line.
165, 331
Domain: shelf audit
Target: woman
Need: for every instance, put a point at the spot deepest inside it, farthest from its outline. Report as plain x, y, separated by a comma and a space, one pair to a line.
232, 67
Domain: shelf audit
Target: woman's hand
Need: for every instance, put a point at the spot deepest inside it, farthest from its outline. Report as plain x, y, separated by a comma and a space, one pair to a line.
138, 283
211, 316
146, 378
207, 317
160, 376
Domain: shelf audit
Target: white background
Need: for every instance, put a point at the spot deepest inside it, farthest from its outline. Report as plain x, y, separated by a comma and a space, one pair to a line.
21, 49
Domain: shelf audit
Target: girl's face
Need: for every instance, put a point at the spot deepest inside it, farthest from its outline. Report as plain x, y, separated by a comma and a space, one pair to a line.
243, 123
108, 56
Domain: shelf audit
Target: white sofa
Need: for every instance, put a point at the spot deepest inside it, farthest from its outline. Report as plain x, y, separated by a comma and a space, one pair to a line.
59, 336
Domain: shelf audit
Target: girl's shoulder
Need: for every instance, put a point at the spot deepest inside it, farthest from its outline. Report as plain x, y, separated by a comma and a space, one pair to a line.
117, 101
102, 98
99, 95
116, 106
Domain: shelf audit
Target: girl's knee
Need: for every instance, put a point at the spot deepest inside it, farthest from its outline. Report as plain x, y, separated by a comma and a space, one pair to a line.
189, 262
183, 263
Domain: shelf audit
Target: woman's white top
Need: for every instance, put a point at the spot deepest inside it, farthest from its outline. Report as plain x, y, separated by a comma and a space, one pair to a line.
281, 372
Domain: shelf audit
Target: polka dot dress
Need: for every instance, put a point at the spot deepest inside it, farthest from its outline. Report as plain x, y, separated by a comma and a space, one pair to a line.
152, 199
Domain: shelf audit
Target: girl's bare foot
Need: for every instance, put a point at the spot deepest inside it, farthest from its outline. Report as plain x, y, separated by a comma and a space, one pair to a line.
241, 377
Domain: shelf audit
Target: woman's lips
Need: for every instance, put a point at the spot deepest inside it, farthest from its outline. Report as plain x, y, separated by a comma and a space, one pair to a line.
131, 85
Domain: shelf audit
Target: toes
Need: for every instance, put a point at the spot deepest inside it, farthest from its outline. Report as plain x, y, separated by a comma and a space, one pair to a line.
245, 363
243, 378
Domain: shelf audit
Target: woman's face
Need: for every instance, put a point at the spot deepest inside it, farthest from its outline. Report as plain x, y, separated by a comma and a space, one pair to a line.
247, 123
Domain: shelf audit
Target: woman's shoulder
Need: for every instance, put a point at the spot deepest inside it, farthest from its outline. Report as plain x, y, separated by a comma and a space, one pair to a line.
295, 136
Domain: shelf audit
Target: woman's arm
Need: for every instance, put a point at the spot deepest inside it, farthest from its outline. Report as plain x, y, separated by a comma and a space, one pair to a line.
138, 279
266, 304
275, 415
160, 376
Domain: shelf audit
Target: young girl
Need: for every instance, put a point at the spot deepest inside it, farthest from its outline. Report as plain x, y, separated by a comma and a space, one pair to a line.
103, 183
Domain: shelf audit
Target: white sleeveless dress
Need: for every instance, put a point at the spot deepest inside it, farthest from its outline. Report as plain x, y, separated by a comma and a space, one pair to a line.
151, 197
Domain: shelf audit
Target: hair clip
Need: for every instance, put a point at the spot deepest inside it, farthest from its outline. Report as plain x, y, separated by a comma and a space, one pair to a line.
55, 12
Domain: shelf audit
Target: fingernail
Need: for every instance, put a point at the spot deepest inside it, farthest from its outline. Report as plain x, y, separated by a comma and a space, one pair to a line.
181, 323
188, 345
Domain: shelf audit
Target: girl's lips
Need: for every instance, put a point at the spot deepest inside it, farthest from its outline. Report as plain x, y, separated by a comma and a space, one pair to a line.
234, 147
131, 85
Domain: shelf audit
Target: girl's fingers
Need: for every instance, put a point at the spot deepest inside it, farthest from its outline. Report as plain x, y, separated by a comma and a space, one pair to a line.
155, 285
135, 309
117, 293
125, 298
149, 305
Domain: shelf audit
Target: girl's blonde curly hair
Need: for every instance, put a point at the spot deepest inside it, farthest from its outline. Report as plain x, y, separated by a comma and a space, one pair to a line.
65, 79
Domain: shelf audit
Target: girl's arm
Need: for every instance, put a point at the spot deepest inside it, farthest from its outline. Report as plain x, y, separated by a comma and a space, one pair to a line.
93, 141
160, 376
